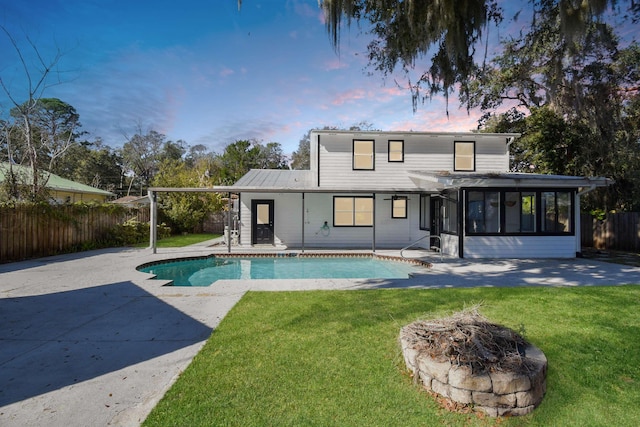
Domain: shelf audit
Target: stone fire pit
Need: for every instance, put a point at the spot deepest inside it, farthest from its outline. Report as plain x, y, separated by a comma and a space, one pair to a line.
468, 360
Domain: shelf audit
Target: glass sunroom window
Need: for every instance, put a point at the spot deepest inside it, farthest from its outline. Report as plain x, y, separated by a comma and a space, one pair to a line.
520, 211
556, 208
483, 212
363, 154
539, 212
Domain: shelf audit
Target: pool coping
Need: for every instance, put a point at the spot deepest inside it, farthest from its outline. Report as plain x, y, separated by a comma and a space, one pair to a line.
168, 282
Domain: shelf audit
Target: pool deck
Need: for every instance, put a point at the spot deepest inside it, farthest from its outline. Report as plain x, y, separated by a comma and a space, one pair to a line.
85, 339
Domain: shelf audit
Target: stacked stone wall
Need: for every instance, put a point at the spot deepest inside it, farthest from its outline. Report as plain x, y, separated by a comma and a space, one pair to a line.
494, 393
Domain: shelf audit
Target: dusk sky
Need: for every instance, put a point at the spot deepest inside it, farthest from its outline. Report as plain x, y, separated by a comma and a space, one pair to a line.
207, 73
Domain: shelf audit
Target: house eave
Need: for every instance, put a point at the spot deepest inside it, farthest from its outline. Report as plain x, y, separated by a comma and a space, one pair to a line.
445, 181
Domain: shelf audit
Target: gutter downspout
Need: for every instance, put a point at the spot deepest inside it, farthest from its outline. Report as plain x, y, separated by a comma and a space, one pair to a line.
373, 230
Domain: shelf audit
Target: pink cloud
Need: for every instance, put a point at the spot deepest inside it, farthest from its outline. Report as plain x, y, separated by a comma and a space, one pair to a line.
335, 64
349, 96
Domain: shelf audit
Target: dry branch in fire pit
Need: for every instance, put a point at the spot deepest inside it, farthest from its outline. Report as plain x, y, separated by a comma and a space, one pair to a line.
468, 338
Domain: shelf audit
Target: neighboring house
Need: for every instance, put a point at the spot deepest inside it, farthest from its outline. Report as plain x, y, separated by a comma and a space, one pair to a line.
61, 190
394, 189
132, 201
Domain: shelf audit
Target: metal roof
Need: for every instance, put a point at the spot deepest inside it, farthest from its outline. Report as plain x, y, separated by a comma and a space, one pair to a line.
301, 181
443, 180
54, 182
276, 179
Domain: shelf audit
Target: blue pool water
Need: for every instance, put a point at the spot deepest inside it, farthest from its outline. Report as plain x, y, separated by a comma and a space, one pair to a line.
204, 272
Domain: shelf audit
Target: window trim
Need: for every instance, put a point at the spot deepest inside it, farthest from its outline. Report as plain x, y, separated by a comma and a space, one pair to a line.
393, 207
455, 156
401, 141
353, 211
373, 154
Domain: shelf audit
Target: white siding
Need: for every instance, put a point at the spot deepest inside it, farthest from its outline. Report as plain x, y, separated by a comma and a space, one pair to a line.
450, 244
426, 152
519, 247
390, 232
287, 213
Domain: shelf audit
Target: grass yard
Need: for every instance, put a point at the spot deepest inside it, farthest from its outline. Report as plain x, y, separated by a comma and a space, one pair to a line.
181, 240
331, 358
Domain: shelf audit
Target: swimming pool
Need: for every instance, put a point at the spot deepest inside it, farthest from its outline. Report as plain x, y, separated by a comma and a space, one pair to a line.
205, 271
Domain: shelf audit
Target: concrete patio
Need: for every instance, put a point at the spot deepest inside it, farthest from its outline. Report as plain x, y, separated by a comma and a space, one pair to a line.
85, 339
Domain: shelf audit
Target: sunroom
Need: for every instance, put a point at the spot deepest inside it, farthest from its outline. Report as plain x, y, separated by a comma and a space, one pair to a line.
506, 215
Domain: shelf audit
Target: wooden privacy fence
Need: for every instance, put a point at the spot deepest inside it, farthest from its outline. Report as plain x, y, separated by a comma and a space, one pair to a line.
618, 231
32, 231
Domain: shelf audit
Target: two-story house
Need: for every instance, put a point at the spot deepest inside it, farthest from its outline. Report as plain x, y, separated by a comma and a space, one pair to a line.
391, 189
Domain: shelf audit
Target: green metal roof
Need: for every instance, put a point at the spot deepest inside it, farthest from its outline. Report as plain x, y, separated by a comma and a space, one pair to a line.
54, 182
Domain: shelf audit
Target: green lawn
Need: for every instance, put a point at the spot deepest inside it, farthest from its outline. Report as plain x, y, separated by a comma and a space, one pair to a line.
331, 358
180, 240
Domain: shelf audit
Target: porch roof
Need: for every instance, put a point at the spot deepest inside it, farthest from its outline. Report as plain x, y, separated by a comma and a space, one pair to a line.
447, 180
301, 181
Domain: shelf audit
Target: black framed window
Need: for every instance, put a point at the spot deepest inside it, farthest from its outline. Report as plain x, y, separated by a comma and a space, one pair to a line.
511, 211
464, 156
399, 206
396, 150
425, 207
363, 154
349, 211
556, 210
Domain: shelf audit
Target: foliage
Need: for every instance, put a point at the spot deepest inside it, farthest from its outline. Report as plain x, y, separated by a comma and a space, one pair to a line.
300, 159
94, 164
141, 155
241, 156
450, 35
185, 210
332, 358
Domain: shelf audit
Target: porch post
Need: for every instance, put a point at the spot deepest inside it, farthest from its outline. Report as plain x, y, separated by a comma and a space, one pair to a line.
153, 221
229, 221
577, 226
373, 231
302, 222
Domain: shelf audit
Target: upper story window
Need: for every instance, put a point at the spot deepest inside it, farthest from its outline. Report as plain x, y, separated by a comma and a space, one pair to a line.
396, 151
363, 154
352, 211
464, 154
399, 207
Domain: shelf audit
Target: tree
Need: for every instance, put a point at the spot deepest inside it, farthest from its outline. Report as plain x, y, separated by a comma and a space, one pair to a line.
272, 157
300, 159
56, 123
448, 33
238, 158
142, 154
24, 113
185, 210
94, 164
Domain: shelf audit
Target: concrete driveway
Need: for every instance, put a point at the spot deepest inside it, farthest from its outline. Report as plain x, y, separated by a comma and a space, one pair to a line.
86, 340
